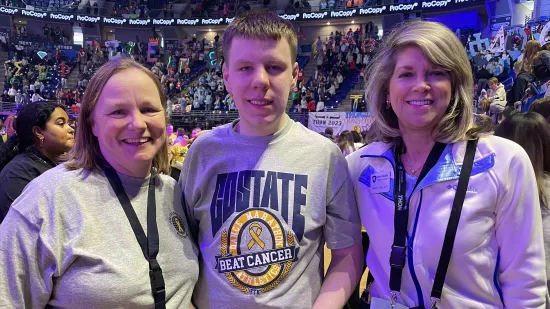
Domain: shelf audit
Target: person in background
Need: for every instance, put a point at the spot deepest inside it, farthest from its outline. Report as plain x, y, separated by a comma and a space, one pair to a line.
357, 139
532, 47
497, 98
2, 130
421, 100
75, 237
37, 98
43, 135
177, 154
345, 142
9, 124
521, 83
329, 132
541, 106
532, 132
171, 136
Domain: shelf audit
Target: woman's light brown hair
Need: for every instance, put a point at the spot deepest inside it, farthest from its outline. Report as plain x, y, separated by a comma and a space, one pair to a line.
86, 153
443, 49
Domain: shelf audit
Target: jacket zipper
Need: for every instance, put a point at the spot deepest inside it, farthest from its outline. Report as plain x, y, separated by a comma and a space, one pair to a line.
410, 252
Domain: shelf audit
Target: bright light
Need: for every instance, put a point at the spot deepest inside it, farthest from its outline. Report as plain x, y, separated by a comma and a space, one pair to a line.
210, 30
353, 21
328, 22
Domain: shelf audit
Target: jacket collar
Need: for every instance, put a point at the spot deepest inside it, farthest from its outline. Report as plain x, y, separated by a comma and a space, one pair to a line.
445, 169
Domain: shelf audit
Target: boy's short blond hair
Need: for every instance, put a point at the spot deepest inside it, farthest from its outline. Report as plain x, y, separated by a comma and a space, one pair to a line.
261, 25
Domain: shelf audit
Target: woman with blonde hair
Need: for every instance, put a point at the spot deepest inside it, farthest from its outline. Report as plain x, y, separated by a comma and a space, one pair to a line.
75, 238
449, 224
532, 48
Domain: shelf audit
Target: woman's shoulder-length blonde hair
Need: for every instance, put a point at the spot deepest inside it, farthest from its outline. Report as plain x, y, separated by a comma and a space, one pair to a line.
86, 153
443, 49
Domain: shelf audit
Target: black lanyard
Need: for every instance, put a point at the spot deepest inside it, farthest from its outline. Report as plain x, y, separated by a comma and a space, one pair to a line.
398, 252
401, 218
149, 244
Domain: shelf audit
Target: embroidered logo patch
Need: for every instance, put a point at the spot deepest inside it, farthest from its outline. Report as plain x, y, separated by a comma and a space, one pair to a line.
179, 224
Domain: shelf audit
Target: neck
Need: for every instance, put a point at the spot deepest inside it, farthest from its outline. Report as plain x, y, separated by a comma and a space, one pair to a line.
418, 144
47, 154
137, 171
246, 129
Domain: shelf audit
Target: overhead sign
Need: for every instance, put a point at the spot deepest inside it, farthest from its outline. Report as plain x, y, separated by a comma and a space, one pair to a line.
500, 21
418, 6
404, 7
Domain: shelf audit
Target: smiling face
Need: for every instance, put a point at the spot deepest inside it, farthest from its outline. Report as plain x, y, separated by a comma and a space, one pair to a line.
129, 122
259, 76
419, 92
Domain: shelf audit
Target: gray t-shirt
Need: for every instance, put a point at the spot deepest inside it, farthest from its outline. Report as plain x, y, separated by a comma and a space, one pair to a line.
263, 208
66, 243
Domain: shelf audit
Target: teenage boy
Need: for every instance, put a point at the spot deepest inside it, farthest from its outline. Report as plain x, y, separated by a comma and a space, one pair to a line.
264, 193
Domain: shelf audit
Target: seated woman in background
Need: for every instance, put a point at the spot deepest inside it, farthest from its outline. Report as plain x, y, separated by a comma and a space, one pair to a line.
532, 132
106, 229
43, 134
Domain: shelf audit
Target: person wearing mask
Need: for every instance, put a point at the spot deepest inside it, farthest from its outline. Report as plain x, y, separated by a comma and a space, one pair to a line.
75, 237
532, 132
449, 224
253, 194
43, 135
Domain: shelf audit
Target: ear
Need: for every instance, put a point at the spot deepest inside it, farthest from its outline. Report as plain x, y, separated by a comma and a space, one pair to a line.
94, 125
37, 132
295, 70
226, 81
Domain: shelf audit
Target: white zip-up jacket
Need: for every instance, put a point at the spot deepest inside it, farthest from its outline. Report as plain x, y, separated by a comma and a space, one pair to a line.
498, 255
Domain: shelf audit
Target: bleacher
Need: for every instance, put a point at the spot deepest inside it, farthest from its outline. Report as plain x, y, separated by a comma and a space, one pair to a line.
51, 5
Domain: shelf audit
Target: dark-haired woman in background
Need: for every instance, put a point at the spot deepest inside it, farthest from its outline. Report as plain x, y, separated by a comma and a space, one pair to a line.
532, 132
43, 134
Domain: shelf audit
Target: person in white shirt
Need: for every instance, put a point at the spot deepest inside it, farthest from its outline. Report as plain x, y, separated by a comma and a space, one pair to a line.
37, 98
320, 106
12, 91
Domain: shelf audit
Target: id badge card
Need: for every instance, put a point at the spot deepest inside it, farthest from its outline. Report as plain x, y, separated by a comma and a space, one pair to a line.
380, 182
379, 303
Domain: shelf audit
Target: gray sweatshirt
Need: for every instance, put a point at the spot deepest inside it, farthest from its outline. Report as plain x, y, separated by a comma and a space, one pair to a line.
263, 208
66, 243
